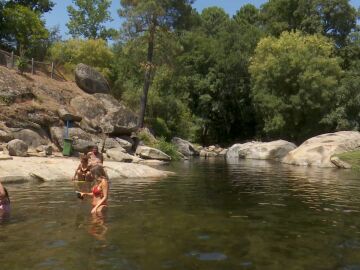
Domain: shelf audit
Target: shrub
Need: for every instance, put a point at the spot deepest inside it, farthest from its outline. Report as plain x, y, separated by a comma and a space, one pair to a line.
93, 52
22, 64
168, 148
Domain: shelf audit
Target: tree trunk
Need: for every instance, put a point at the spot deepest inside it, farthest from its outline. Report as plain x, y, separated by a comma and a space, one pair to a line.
148, 73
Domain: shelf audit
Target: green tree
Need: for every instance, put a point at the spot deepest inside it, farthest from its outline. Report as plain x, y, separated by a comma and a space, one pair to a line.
89, 18
23, 28
41, 6
145, 20
294, 82
333, 18
248, 14
93, 52
346, 114
213, 20
214, 75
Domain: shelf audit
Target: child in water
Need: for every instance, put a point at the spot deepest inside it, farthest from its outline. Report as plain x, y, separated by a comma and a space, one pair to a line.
4, 200
83, 171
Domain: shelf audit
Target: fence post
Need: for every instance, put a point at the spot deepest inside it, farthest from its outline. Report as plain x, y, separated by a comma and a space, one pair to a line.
32, 66
12, 60
52, 70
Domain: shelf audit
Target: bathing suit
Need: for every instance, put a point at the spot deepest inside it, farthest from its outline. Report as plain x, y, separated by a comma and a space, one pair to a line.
97, 192
84, 170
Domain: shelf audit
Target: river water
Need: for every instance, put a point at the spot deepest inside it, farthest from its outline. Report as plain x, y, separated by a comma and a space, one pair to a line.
210, 215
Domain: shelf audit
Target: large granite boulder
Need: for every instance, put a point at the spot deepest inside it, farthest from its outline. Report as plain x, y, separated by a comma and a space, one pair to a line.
17, 148
110, 143
185, 147
65, 115
32, 138
318, 150
82, 141
151, 153
20, 170
103, 113
275, 150
117, 154
90, 80
6, 136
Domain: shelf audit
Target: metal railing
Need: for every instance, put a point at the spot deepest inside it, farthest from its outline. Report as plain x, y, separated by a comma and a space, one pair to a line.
9, 59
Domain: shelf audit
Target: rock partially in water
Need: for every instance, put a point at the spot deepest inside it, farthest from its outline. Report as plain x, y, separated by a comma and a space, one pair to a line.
207, 154
151, 153
318, 150
57, 169
340, 163
17, 148
184, 147
275, 150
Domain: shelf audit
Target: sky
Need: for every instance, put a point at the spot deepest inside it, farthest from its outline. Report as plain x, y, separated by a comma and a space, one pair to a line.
58, 16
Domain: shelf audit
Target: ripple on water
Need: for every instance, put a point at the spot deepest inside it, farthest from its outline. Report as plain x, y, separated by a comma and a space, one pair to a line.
208, 256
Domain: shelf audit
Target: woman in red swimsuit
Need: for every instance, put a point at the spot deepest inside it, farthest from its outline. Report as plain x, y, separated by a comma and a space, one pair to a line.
100, 191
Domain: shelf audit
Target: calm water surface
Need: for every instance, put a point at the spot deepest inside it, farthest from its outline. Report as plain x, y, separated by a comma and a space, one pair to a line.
211, 215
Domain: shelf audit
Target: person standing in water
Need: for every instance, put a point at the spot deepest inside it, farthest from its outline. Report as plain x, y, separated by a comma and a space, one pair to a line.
95, 157
100, 190
4, 200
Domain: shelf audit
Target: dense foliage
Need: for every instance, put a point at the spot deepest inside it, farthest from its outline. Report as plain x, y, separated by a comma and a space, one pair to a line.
289, 69
88, 18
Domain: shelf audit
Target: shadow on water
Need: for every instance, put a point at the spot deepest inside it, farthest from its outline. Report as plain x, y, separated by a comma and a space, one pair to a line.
210, 215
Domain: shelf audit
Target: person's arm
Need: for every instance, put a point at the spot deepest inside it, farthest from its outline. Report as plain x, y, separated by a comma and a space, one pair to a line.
105, 190
86, 194
101, 158
76, 172
2, 192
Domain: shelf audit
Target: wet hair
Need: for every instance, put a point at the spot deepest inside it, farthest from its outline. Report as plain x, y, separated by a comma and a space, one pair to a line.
84, 158
98, 171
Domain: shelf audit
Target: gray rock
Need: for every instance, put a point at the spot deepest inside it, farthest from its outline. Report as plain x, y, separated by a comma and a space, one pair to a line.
184, 147
82, 141
32, 138
207, 154
5, 136
65, 115
82, 146
317, 151
153, 162
117, 154
275, 150
151, 153
103, 113
125, 142
111, 143
17, 148
47, 149
90, 80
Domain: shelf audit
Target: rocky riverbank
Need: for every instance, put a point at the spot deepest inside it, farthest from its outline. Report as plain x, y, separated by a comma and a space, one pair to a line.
24, 169
322, 151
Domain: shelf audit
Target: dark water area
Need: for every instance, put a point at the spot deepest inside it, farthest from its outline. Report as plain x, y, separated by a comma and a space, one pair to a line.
211, 215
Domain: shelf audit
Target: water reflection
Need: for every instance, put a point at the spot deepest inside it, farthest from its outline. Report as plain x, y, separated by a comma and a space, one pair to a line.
211, 215
97, 227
